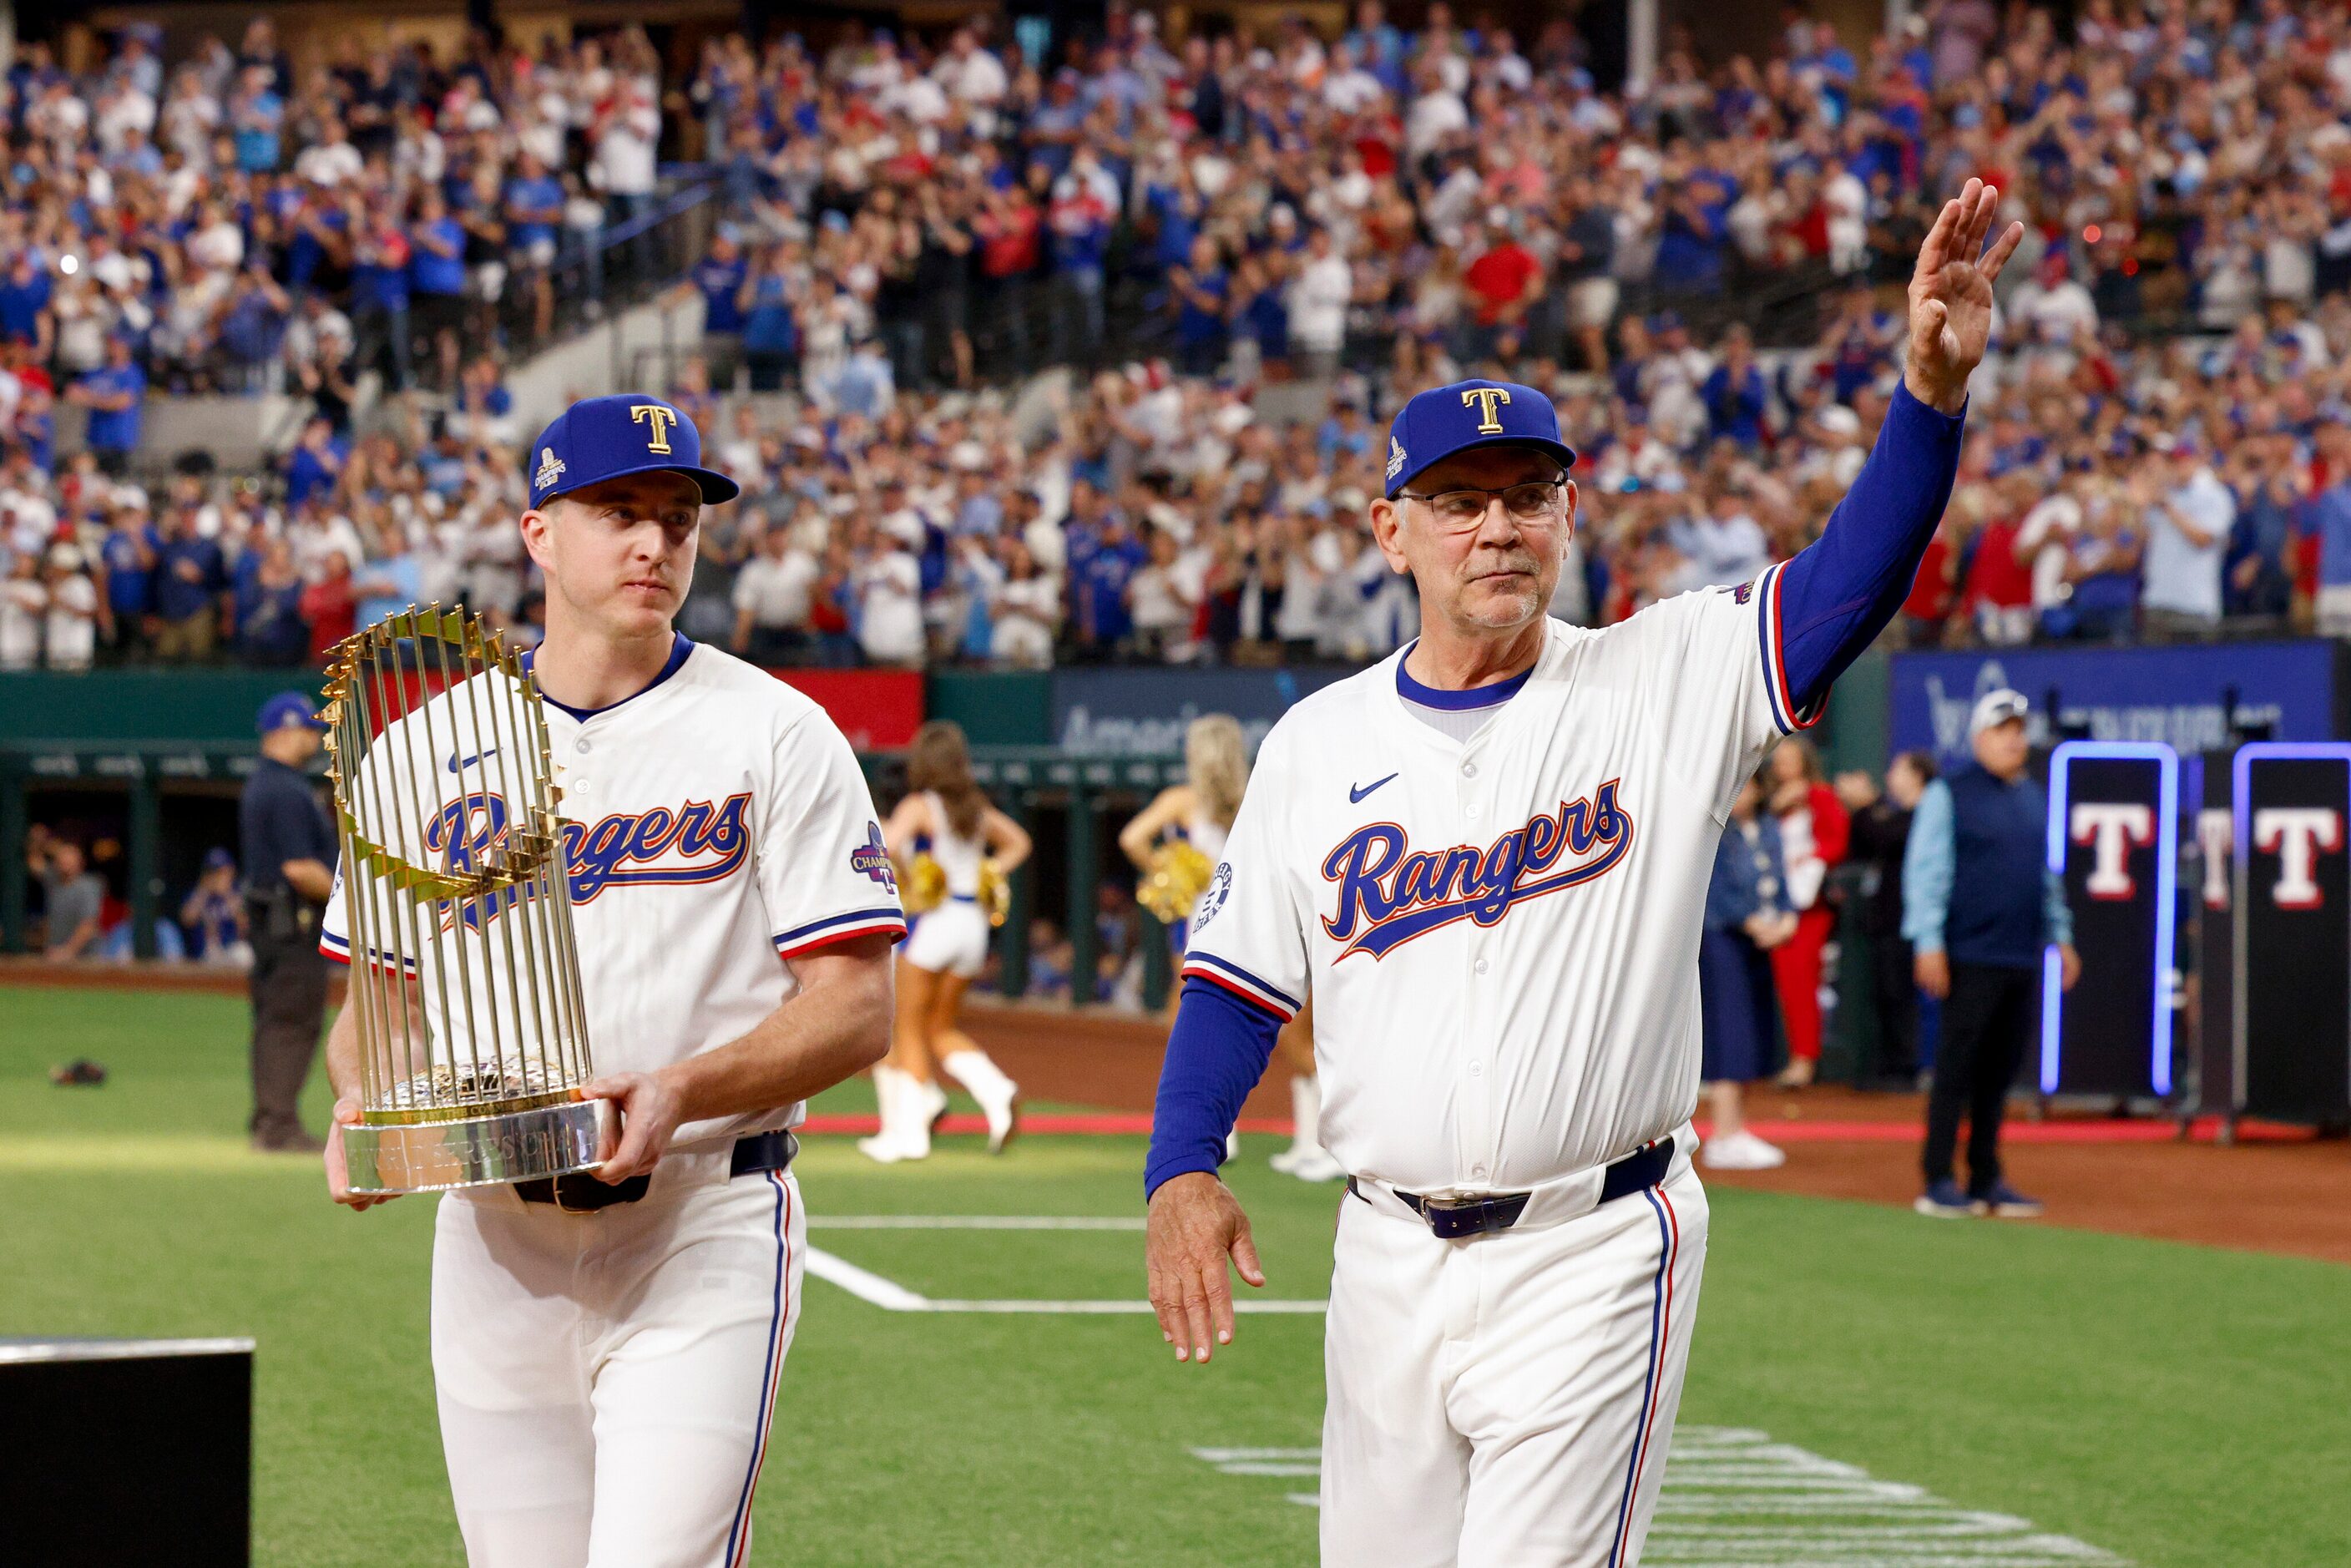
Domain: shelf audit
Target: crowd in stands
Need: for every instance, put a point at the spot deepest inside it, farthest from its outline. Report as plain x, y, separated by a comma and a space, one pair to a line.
230, 222
1247, 251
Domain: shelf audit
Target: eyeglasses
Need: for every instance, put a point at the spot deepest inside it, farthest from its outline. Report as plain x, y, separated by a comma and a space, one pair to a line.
1536, 501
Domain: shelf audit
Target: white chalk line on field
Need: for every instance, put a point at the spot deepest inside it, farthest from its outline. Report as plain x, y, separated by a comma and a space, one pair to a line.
893, 1297
1735, 1499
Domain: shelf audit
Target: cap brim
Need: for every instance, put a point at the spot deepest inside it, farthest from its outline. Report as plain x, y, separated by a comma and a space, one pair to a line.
1559, 451
716, 487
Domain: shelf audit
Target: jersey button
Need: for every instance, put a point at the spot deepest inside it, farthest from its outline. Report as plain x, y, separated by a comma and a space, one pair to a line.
1477, 1171
1468, 770
1480, 966
1471, 813
1475, 1069
581, 744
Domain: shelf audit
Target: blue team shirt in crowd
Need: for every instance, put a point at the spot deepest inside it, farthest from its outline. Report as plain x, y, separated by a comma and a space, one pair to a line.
257, 144
308, 474
110, 431
383, 287
1099, 580
21, 305
544, 194
129, 582
720, 282
190, 574
429, 273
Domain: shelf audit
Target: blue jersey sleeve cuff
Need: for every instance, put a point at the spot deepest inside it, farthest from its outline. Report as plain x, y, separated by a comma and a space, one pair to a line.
1222, 1039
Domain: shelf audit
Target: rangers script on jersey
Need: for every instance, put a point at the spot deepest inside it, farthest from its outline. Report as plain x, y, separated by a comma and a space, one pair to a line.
1500, 936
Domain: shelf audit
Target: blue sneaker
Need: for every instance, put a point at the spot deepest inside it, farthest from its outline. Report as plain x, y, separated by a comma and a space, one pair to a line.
1944, 1200
2005, 1202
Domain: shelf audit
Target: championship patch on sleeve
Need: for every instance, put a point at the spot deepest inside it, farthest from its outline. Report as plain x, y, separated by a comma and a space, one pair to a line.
1219, 888
871, 859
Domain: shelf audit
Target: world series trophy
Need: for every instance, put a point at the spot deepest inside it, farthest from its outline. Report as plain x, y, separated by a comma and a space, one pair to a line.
457, 906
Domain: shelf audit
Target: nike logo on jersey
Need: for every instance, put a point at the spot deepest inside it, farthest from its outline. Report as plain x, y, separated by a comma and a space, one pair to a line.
1390, 894
1356, 795
697, 842
459, 764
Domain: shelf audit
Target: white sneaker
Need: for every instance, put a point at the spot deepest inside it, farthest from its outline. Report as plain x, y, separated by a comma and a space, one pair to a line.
1741, 1151
883, 1149
933, 1100
1287, 1161
1316, 1165
1003, 1114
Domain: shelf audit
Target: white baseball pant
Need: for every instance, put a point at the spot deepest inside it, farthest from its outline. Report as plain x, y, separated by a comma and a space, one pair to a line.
606, 1380
1505, 1401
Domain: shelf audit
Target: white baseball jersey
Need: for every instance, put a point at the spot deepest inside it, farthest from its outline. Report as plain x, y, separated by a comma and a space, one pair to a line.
717, 824
1500, 934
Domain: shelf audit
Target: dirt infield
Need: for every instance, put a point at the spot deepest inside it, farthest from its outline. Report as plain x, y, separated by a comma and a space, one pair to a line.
2285, 1193
2280, 1191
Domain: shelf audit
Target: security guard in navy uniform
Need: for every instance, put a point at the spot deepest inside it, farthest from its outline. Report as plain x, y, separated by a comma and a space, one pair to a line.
289, 861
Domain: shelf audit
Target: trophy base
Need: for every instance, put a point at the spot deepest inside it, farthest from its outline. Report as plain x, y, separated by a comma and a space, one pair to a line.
485, 1151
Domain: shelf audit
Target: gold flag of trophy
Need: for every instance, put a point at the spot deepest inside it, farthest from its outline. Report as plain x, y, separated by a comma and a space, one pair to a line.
465, 971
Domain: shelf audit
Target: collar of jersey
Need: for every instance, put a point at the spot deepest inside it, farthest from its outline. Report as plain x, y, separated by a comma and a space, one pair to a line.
1495, 696
680, 650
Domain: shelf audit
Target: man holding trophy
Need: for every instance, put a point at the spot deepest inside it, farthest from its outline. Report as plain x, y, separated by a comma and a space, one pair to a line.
615, 910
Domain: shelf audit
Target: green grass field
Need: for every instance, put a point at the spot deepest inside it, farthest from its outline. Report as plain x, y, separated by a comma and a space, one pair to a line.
2169, 1406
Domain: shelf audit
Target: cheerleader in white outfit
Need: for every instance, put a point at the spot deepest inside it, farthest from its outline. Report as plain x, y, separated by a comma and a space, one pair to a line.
945, 811
1201, 810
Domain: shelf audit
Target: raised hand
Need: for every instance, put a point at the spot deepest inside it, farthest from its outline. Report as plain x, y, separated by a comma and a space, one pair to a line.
1951, 297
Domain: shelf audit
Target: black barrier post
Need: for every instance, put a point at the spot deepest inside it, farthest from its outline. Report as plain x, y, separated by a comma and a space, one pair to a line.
2292, 988
145, 853
13, 871
1156, 968
1012, 941
2114, 842
1083, 877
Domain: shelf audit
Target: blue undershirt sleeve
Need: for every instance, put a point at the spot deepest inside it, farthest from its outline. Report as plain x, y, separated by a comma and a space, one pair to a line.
1215, 1054
1838, 592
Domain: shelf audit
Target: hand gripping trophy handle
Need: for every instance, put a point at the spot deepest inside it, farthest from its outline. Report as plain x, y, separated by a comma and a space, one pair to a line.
457, 904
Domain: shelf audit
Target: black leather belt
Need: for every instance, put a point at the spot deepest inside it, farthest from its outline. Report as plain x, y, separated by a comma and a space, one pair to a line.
579, 1192
1451, 1219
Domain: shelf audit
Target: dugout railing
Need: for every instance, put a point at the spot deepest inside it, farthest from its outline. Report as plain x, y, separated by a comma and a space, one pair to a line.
163, 803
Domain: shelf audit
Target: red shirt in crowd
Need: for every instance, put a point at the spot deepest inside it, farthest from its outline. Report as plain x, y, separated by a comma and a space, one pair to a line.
330, 607
1931, 590
1996, 577
1499, 278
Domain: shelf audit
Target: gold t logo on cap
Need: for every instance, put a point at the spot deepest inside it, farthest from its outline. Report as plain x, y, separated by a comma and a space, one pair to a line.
1486, 398
662, 418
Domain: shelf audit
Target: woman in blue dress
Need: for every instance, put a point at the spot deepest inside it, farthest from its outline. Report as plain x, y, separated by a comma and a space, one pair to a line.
1747, 914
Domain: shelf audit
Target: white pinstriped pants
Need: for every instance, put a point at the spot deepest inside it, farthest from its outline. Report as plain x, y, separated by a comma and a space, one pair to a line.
1506, 1401
606, 1380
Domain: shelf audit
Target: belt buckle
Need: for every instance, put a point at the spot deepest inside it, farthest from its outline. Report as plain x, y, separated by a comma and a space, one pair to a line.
1450, 1218
566, 1207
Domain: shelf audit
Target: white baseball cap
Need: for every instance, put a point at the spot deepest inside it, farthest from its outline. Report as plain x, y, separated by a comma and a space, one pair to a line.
1995, 708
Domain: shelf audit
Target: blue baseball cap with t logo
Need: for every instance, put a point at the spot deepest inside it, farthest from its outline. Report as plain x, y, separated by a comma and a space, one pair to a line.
289, 710
601, 438
1436, 425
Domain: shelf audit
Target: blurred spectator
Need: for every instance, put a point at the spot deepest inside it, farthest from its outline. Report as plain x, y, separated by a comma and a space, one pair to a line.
71, 637
1814, 830
73, 898
1746, 916
191, 610
213, 914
